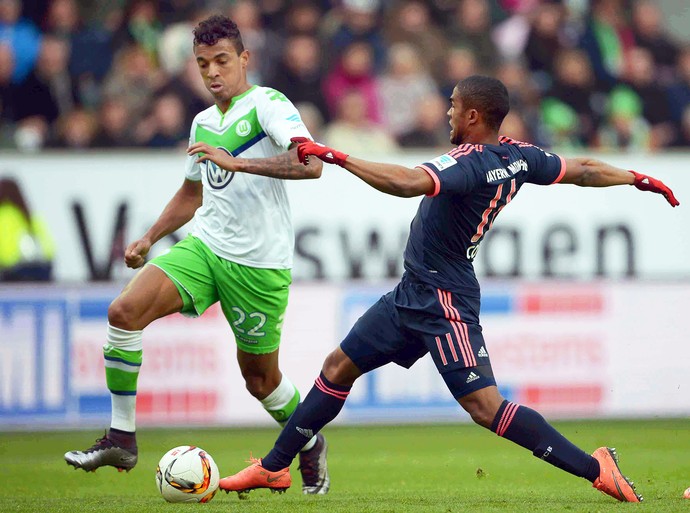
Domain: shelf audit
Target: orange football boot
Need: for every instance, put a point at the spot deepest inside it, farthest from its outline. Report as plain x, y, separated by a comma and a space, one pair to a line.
611, 481
255, 476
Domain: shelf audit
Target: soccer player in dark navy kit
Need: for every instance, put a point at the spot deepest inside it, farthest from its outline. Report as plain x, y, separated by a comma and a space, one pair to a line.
435, 307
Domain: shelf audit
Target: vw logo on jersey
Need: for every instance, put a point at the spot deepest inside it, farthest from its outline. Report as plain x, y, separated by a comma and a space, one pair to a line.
243, 128
218, 177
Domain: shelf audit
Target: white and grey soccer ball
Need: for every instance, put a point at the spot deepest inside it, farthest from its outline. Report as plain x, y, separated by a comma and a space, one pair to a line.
187, 474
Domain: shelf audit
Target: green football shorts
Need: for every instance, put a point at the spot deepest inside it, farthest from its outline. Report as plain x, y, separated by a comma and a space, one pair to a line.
253, 299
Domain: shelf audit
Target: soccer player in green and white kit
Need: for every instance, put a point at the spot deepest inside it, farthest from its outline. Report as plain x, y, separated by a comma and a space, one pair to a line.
239, 252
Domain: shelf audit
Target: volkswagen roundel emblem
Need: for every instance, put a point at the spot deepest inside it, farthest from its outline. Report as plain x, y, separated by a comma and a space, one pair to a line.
218, 177
243, 128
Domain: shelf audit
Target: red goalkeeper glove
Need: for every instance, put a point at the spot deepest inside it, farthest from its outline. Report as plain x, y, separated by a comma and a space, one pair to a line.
647, 183
323, 152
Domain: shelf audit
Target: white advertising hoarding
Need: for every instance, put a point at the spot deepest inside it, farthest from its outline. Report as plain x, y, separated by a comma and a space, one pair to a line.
95, 203
599, 349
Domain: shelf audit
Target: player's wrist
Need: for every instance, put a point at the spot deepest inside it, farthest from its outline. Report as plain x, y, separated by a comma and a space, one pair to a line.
637, 178
339, 158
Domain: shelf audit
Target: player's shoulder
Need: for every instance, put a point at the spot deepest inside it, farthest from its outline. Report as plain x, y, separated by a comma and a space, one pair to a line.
465, 153
459, 156
269, 96
509, 141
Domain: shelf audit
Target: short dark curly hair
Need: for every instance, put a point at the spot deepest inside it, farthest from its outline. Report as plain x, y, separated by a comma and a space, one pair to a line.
488, 95
217, 27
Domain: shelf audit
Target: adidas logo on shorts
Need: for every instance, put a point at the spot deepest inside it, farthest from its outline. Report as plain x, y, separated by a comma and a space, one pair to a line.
472, 377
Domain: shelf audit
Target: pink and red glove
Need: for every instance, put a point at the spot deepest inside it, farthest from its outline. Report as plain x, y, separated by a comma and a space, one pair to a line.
647, 183
329, 155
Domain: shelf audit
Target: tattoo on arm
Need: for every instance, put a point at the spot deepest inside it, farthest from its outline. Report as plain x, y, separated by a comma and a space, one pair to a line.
284, 166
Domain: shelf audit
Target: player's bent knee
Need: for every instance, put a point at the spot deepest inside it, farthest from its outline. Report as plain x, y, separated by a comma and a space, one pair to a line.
260, 386
480, 415
122, 315
340, 369
482, 405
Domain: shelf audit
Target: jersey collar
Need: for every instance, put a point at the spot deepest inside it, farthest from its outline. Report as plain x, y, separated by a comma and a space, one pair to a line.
235, 99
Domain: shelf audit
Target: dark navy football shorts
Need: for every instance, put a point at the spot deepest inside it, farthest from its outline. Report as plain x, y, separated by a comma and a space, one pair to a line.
416, 318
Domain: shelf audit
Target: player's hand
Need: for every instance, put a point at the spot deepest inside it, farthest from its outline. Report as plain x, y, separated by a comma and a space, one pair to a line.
220, 156
325, 153
135, 254
647, 183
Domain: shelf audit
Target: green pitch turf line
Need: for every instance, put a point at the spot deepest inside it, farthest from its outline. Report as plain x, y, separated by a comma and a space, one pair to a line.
398, 469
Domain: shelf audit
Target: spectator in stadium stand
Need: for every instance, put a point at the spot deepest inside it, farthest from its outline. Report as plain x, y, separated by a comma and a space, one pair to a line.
430, 126
356, 21
173, 47
434, 309
114, 129
134, 77
574, 88
351, 128
544, 41
678, 92
238, 255
75, 130
460, 63
302, 18
354, 70
6, 69
90, 52
140, 26
641, 76
650, 33
32, 134
410, 22
47, 91
606, 38
624, 128
299, 71
165, 126
22, 36
177, 11
266, 45
405, 81
26, 246
683, 132
473, 29
524, 98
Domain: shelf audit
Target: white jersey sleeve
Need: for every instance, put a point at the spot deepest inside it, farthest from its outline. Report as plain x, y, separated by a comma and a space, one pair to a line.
280, 118
192, 168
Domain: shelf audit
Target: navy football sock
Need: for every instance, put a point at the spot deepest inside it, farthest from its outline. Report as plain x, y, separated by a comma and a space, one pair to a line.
322, 404
530, 430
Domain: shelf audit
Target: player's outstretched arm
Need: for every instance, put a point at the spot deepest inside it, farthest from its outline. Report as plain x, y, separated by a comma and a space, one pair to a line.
587, 172
178, 212
389, 178
286, 165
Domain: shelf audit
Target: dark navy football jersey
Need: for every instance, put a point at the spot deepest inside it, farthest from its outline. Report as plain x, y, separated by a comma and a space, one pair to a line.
473, 184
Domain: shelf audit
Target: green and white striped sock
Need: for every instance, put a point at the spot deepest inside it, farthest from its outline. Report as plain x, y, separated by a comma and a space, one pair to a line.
123, 353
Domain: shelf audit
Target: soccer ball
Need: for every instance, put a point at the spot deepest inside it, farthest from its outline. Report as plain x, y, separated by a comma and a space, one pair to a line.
187, 474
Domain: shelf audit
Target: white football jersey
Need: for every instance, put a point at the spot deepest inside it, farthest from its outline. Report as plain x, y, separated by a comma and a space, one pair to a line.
246, 218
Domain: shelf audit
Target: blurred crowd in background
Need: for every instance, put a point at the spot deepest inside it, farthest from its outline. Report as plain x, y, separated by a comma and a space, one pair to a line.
366, 75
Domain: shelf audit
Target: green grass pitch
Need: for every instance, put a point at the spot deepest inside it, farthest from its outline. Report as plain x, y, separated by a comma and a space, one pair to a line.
398, 469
